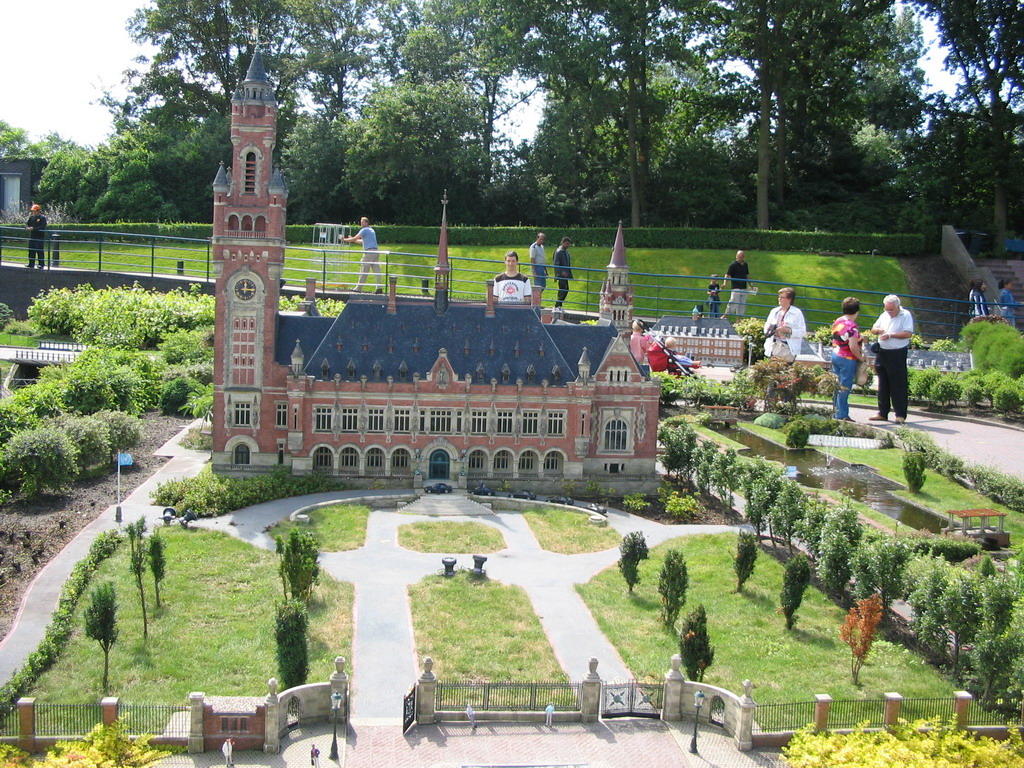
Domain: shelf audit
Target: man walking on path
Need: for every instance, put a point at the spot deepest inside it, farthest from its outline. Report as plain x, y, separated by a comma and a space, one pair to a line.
563, 270
738, 272
36, 225
894, 327
229, 752
471, 716
538, 262
371, 256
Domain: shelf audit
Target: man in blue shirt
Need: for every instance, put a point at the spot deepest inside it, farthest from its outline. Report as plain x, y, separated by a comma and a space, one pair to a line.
371, 256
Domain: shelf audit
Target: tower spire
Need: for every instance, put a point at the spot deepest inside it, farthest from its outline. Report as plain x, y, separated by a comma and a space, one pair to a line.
617, 292
442, 269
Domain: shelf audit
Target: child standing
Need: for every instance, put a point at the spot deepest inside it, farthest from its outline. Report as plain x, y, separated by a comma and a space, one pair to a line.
713, 302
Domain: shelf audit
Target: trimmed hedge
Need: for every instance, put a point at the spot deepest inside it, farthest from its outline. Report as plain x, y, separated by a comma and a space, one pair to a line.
603, 237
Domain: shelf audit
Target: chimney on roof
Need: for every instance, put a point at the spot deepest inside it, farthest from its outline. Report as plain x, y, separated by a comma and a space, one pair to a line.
392, 295
547, 316
310, 289
535, 297
489, 312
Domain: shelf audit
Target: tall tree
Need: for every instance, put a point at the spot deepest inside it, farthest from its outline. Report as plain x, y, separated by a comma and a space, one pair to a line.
101, 623
137, 565
157, 562
985, 39
672, 584
632, 550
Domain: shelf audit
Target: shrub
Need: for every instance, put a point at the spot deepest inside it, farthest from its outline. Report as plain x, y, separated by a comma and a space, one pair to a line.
921, 383
795, 579
914, 470
635, 502
298, 568
840, 536
1007, 398
209, 495
193, 345
682, 507
953, 549
746, 558
41, 459
879, 566
290, 632
947, 389
752, 330
6, 315
797, 432
92, 438
673, 581
947, 345
695, 644
125, 430
771, 420
174, 395
858, 631
632, 550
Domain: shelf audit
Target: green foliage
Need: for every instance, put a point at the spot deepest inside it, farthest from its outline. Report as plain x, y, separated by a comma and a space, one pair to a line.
695, 644
290, 631
106, 379
157, 562
995, 346
684, 507
106, 746
137, 564
781, 384
41, 459
947, 390
6, 315
797, 433
192, 345
175, 394
90, 435
299, 569
1007, 399
62, 621
787, 511
209, 495
812, 523
632, 550
129, 318
840, 535
952, 549
635, 502
770, 420
921, 383
125, 430
929, 577
919, 744
879, 566
914, 470
101, 624
673, 581
746, 558
761, 487
961, 611
752, 330
678, 445
794, 582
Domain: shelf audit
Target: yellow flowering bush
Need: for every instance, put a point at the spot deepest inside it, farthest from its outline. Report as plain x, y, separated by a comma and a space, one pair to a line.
907, 746
106, 746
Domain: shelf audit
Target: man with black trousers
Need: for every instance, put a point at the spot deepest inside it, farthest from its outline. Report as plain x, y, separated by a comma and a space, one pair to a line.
563, 270
36, 225
894, 327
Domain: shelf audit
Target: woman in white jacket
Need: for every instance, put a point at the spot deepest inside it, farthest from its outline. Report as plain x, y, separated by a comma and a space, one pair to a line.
786, 325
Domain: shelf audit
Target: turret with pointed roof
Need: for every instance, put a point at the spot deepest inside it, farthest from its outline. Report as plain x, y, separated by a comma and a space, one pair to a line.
617, 291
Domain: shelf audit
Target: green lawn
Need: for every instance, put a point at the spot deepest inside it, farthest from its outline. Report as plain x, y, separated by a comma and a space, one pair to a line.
569, 532
450, 537
339, 527
749, 635
476, 629
213, 633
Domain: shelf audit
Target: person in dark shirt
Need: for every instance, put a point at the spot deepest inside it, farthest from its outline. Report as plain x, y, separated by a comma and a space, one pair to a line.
714, 304
563, 270
36, 225
738, 272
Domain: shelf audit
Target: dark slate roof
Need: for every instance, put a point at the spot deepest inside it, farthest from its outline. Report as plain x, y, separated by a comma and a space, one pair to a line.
256, 71
365, 336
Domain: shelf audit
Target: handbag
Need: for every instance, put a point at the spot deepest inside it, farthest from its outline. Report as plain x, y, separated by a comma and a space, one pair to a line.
861, 377
874, 348
781, 351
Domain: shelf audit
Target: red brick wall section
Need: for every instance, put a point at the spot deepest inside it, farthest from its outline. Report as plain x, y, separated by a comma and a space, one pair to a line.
250, 738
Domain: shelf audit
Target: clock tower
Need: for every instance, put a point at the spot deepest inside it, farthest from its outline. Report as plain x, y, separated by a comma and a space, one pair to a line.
249, 206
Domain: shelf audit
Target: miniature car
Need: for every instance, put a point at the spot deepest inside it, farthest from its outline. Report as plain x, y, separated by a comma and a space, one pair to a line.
560, 500
482, 490
438, 488
523, 495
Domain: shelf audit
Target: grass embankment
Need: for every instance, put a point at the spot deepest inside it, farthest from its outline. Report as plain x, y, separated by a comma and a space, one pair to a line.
475, 629
939, 494
749, 635
339, 527
214, 631
568, 532
449, 537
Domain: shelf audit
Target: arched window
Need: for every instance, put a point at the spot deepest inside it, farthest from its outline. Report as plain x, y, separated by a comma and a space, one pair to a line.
233, 221
323, 459
241, 454
477, 463
374, 460
261, 224
400, 462
349, 460
250, 173
502, 461
528, 463
553, 463
615, 435
247, 223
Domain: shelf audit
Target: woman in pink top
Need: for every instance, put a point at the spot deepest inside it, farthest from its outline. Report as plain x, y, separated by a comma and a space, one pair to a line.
639, 342
846, 352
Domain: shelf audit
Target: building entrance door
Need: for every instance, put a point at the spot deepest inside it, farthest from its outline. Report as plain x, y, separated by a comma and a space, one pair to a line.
439, 465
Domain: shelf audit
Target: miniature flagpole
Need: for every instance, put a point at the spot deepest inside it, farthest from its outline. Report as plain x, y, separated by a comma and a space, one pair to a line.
117, 509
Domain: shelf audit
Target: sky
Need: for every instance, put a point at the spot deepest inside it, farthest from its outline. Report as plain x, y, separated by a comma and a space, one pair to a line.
67, 52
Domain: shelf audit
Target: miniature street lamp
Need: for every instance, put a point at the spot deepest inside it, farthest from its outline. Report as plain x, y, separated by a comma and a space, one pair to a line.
698, 702
335, 707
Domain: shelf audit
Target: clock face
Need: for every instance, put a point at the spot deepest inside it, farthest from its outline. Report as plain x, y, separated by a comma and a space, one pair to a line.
245, 289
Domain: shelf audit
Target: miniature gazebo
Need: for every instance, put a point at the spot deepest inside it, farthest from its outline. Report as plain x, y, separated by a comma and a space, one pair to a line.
984, 524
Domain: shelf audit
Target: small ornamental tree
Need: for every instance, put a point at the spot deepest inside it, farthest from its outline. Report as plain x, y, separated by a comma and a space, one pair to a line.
787, 512
41, 459
299, 569
101, 623
746, 558
914, 470
157, 563
290, 632
794, 582
880, 566
961, 611
694, 644
672, 584
858, 631
632, 550
137, 564
840, 535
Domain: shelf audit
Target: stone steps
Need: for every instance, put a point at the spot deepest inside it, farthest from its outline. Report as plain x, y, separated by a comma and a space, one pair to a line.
446, 505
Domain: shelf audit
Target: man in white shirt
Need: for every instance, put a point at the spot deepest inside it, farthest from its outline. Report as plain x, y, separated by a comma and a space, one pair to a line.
511, 286
538, 262
894, 327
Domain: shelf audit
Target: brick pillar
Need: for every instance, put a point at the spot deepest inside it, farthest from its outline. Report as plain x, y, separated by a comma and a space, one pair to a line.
822, 705
489, 298
961, 707
108, 705
271, 718
893, 702
672, 702
339, 684
196, 739
27, 724
426, 690
745, 722
591, 697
